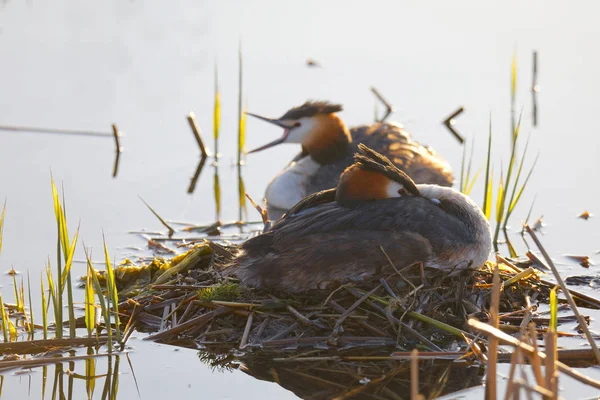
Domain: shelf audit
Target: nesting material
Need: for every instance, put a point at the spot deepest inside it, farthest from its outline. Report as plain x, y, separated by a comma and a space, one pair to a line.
190, 299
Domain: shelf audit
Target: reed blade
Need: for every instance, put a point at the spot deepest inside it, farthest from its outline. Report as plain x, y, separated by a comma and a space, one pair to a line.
520, 191
241, 115
90, 310
487, 194
217, 112
4, 320
31, 323
44, 308
553, 309
162, 221
55, 303
112, 295
472, 183
101, 299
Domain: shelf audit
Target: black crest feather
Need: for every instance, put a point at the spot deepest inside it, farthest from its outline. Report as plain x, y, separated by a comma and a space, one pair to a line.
371, 160
312, 108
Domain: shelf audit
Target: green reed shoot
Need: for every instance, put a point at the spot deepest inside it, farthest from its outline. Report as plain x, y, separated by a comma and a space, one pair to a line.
502, 196
55, 303
90, 310
2, 224
217, 112
4, 320
514, 199
487, 194
241, 115
111, 289
67, 247
31, 323
44, 308
513, 91
16, 290
499, 206
104, 307
553, 310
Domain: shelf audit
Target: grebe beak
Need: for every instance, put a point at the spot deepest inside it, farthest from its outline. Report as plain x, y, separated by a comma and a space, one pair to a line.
286, 132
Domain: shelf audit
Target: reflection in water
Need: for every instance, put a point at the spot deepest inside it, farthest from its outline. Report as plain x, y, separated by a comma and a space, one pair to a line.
116, 165
68, 382
217, 191
349, 374
243, 210
192, 186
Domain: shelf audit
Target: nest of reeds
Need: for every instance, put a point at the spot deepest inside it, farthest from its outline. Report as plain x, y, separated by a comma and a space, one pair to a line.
187, 298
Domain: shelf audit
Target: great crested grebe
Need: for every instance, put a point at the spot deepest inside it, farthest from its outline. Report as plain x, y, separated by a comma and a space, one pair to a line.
335, 235
328, 147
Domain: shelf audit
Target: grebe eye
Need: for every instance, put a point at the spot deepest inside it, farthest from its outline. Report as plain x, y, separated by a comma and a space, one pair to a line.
296, 124
402, 192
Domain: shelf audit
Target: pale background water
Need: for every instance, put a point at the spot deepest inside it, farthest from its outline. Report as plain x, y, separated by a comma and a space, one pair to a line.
146, 64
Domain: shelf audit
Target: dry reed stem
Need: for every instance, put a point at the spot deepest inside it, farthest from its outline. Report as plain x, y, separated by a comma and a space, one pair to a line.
449, 123
490, 387
192, 121
509, 340
510, 386
567, 293
389, 108
192, 323
117, 135
414, 374
551, 379
354, 306
536, 365
244, 341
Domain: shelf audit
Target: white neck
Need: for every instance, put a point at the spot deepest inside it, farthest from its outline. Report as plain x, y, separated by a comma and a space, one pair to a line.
290, 185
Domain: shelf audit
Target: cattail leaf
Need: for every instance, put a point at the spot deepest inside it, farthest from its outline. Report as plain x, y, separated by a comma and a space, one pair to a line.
553, 309
111, 287
90, 310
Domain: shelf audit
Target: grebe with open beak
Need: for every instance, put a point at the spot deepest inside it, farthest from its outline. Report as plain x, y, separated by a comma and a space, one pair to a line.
327, 150
335, 235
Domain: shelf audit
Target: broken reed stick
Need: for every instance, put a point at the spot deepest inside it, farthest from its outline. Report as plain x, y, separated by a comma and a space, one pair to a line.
528, 349
566, 292
192, 323
389, 108
354, 306
490, 386
117, 135
449, 123
192, 121
414, 375
54, 131
244, 341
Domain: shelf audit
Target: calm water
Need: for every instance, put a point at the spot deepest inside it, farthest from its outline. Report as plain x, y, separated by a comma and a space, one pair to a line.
146, 64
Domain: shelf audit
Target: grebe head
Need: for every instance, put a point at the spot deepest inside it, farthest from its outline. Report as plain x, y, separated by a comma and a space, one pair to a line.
314, 125
373, 177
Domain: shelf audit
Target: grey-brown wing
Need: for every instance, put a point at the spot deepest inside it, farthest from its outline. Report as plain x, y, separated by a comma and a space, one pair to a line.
333, 256
404, 214
421, 163
312, 200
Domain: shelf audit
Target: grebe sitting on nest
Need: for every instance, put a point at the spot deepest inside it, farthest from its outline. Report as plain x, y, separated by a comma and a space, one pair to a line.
335, 235
327, 150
